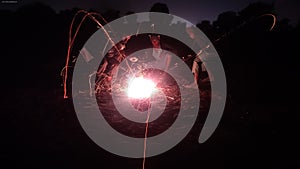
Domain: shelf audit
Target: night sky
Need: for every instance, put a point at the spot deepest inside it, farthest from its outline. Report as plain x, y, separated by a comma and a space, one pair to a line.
192, 10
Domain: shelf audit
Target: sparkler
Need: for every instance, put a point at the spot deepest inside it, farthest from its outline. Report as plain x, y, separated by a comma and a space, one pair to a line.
141, 88
138, 88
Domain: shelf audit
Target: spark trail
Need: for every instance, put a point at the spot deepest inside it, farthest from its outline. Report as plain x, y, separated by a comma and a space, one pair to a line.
72, 39
146, 135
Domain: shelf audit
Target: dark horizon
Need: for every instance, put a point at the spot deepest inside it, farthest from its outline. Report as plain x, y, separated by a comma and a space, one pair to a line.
198, 11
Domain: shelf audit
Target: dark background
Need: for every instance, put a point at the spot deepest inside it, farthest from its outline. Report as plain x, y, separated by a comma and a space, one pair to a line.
259, 127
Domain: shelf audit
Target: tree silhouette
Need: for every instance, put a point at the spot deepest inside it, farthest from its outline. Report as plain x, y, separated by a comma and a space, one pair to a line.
256, 9
226, 21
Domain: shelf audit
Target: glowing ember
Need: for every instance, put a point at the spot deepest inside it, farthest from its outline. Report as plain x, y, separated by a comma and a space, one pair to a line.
140, 88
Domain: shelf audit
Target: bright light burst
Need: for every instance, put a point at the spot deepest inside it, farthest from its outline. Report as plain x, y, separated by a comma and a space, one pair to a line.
140, 88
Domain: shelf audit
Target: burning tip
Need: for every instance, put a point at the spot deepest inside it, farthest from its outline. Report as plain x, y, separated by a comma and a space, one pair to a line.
140, 88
